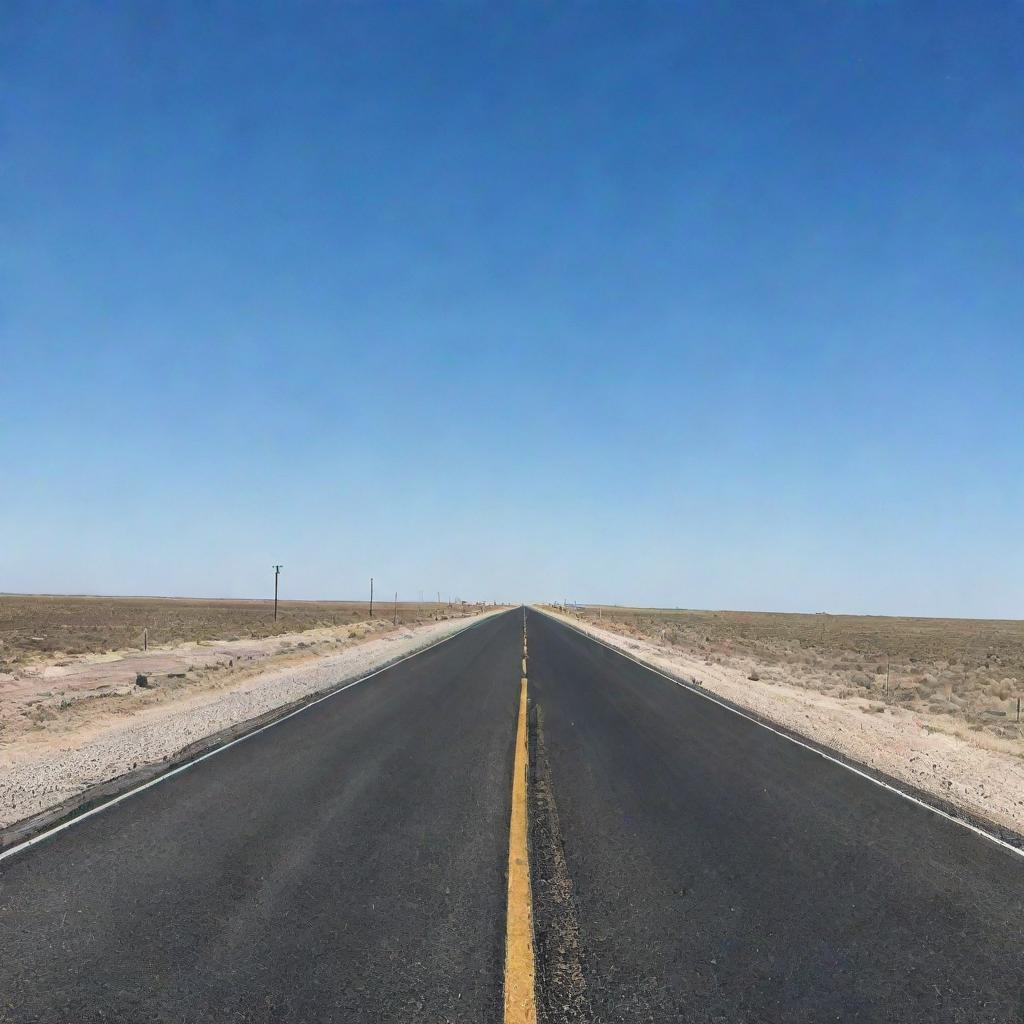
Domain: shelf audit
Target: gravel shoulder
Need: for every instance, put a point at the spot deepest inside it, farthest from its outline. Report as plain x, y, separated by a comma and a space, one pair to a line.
48, 766
986, 783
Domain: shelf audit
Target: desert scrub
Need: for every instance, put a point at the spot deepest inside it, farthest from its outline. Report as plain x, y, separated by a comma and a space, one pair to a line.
34, 626
948, 667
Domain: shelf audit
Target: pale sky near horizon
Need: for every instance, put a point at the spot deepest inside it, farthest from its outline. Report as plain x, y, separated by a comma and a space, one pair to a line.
713, 304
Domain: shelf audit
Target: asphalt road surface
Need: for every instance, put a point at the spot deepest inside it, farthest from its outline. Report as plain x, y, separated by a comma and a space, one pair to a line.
349, 865
345, 865
722, 873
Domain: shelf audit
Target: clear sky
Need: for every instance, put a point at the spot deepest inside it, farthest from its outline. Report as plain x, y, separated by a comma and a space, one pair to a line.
705, 304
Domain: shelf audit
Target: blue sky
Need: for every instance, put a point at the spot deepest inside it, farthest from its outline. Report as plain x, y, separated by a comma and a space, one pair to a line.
700, 304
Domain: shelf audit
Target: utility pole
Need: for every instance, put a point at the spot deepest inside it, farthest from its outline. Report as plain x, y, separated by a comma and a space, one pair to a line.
396, 607
371, 597
277, 572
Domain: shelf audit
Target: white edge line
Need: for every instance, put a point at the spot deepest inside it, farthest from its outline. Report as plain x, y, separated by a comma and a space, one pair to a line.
800, 743
76, 819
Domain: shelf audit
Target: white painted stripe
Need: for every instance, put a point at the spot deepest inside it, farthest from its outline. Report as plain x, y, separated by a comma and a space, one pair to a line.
224, 746
698, 691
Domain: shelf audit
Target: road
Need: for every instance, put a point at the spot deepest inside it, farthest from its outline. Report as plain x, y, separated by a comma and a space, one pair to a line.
350, 864
345, 865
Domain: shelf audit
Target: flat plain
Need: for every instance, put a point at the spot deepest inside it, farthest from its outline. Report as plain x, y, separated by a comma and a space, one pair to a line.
967, 671
350, 863
72, 666
34, 626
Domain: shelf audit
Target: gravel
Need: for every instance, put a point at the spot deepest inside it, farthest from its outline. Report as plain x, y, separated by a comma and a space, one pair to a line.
30, 786
903, 745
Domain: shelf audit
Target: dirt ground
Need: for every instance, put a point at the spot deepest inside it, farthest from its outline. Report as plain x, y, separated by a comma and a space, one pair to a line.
966, 673
945, 723
64, 729
34, 626
70, 666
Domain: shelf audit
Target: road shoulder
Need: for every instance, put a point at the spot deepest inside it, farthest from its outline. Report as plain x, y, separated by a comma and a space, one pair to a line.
38, 793
977, 786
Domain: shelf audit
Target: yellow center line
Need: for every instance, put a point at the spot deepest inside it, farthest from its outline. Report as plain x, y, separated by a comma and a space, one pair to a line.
519, 998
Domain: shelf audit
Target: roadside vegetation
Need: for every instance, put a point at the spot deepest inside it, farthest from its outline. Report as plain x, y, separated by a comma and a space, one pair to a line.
967, 670
931, 702
72, 665
34, 627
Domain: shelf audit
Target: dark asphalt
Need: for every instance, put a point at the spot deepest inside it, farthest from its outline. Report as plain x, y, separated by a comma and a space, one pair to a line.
721, 873
349, 865
346, 865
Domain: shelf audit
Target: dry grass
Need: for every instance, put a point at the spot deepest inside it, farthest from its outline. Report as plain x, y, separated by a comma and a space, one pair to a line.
970, 669
43, 626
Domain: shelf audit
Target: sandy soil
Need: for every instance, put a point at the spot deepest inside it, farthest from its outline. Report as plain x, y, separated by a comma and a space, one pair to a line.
36, 627
981, 773
64, 728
